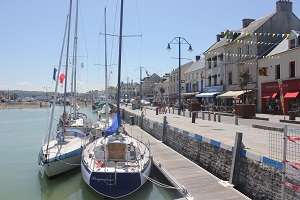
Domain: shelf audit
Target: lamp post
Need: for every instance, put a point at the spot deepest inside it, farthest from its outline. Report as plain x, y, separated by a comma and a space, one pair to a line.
179, 41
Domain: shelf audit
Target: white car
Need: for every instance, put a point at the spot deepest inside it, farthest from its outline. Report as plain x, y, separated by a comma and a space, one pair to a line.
145, 103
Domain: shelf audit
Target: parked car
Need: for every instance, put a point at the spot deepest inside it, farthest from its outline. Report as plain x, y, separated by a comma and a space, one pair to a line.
145, 102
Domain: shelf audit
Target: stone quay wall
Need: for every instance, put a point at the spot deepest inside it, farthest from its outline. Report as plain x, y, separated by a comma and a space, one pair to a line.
17, 105
256, 174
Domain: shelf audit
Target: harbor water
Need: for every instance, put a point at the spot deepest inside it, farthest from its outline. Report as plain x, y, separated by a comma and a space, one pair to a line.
21, 132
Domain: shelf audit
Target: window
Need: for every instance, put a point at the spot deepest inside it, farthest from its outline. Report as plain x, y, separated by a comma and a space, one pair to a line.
240, 53
215, 79
229, 57
209, 81
209, 63
214, 59
277, 71
221, 57
249, 51
292, 69
230, 78
292, 43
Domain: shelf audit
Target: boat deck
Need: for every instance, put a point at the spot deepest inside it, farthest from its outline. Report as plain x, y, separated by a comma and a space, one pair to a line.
185, 174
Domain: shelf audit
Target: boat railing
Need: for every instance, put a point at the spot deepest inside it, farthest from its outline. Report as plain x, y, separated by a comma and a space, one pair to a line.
101, 159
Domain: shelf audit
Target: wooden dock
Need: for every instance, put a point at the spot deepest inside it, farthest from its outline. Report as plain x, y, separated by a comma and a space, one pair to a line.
192, 181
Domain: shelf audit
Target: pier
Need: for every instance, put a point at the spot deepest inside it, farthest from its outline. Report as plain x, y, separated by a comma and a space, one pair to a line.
192, 181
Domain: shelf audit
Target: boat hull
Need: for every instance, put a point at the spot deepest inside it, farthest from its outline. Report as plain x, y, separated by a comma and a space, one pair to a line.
115, 185
59, 166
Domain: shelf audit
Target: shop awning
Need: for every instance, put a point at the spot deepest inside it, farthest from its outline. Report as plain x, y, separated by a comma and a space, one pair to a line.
291, 94
269, 95
149, 98
208, 94
233, 94
189, 94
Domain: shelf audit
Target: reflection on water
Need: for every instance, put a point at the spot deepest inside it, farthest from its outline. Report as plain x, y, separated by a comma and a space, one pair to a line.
71, 186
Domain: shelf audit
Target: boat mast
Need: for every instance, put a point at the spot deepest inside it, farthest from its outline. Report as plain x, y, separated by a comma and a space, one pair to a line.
106, 89
66, 73
56, 84
120, 58
75, 59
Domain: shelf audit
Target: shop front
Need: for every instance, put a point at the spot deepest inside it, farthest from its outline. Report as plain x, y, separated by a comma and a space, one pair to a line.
270, 97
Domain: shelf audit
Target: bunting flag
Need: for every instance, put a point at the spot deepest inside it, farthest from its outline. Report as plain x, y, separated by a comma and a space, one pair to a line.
62, 77
295, 165
54, 73
237, 55
281, 94
294, 139
262, 71
261, 34
292, 186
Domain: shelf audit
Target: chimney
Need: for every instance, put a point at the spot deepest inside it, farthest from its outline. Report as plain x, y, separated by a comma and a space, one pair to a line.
219, 36
246, 22
285, 6
197, 58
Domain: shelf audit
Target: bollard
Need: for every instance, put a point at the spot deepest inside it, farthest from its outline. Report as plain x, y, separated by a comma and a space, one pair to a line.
194, 117
219, 117
156, 111
209, 116
169, 110
163, 137
215, 117
173, 110
190, 113
236, 120
141, 108
236, 158
132, 120
203, 117
142, 119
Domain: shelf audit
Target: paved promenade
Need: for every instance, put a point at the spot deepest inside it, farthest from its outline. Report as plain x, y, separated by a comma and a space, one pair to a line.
256, 140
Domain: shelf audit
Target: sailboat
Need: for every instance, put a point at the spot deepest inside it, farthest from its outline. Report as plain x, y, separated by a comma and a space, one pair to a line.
116, 164
63, 152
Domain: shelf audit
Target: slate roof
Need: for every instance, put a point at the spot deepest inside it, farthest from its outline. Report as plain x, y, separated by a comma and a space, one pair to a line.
253, 26
200, 64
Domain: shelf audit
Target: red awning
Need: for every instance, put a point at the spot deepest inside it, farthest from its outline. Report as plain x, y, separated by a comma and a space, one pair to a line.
266, 95
274, 95
269, 95
291, 94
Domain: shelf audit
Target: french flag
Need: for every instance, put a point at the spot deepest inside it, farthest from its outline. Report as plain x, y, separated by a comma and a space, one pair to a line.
61, 76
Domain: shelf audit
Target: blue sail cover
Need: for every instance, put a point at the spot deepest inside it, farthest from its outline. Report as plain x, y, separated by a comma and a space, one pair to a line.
116, 123
75, 130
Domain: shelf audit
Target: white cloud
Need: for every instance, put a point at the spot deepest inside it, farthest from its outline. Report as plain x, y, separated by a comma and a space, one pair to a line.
24, 84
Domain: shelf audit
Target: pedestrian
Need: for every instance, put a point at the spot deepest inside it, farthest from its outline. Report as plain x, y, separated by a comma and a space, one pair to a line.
164, 104
181, 106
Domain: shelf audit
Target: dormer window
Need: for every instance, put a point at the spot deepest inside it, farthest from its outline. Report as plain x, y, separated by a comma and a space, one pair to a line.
292, 43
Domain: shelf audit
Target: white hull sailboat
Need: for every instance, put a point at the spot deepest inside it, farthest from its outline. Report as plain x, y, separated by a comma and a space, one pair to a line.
62, 155
116, 164
63, 152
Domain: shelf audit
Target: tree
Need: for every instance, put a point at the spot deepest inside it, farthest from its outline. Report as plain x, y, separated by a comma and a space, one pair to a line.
162, 91
245, 78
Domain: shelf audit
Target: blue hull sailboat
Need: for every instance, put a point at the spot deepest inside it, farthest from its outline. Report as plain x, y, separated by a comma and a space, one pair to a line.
116, 164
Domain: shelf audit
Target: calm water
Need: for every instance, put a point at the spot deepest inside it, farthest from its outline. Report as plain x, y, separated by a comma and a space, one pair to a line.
21, 132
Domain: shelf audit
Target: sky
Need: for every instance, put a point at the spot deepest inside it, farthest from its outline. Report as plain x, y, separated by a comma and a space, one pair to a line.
32, 35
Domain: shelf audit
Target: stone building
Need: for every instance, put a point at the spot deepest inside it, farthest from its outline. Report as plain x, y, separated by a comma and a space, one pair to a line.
241, 49
282, 64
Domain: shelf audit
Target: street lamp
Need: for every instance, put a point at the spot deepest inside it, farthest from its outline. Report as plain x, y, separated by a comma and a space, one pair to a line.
179, 41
